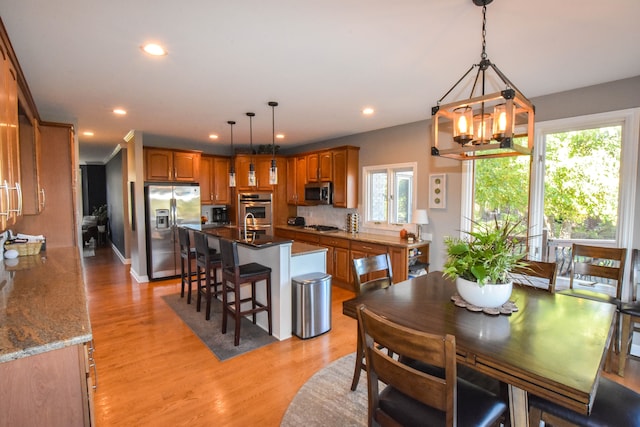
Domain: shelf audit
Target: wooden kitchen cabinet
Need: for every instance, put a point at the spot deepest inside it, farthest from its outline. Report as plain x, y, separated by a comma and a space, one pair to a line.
338, 260
54, 388
296, 179
320, 167
33, 193
167, 165
345, 177
10, 196
214, 180
262, 165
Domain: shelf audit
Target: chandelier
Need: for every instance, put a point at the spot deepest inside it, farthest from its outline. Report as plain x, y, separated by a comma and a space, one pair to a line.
484, 125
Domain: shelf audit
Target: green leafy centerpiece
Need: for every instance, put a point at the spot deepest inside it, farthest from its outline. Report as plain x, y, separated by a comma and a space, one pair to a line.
481, 262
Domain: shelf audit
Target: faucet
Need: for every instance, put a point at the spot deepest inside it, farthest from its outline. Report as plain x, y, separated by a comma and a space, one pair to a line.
245, 224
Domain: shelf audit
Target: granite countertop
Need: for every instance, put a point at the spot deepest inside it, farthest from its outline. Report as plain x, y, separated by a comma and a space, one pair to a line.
43, 304
236, 233
359, 237
301, 248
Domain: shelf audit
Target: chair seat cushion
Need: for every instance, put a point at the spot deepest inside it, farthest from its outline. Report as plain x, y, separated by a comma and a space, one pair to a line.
591, 295
614, 405
476, 407
250, 269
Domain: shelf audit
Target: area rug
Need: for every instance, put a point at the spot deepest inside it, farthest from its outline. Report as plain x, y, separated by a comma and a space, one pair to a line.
326, 398
209, 331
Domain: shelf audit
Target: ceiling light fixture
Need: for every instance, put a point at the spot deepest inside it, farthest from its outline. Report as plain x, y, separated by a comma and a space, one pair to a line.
252, 168
213, 136
232, 169
367, 111
87, 133
483, 125
119, 111
154, 49
273, 172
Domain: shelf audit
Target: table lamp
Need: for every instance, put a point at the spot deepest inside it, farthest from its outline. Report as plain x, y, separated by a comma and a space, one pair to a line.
420, 218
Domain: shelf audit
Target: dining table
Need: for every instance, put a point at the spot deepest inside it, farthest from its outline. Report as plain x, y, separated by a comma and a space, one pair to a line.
551, 345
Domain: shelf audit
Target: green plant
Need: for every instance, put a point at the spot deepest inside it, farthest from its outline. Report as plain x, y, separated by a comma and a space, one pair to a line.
101, 213
487, 254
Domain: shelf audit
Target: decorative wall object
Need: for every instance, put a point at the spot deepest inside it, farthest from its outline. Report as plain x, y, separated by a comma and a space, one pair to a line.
438, 191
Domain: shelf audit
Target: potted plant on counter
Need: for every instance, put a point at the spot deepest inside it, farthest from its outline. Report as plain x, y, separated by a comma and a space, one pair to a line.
481, 262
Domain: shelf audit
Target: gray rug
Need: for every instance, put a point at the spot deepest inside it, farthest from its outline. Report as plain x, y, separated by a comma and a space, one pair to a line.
326, 398
209, 332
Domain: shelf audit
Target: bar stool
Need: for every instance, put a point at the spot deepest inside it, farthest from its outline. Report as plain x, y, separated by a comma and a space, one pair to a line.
187, 254
207, 260
233, 276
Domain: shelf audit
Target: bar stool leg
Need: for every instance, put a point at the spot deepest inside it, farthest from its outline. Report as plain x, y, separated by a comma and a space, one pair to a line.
225, 310
237, 316
253, 301
269, 304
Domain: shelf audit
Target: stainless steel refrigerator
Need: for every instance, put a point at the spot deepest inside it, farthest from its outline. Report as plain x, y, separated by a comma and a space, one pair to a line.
167, 207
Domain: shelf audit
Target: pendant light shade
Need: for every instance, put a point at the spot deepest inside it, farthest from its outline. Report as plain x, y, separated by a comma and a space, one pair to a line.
484, 125
252, 168
273, 171
232, 169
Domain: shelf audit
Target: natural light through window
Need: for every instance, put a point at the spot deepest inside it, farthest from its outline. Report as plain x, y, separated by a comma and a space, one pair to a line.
390, 194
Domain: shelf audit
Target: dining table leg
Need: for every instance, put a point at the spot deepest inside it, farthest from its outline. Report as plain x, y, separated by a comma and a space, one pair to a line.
518, 407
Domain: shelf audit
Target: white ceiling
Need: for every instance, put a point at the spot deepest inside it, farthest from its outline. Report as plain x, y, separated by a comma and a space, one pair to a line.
323, 61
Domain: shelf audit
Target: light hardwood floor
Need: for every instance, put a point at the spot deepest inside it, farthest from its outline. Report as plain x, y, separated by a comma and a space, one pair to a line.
153, 371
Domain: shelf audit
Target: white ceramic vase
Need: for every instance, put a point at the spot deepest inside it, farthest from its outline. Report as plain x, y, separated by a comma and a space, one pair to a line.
489, 295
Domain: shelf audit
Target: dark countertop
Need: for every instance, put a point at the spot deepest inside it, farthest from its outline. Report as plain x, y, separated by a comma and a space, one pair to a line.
359, 237
237, 233
43, 303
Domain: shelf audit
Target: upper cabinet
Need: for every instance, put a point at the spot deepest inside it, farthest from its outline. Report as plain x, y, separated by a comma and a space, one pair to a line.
296, 179
320, 167
214, 180
167, 165
261, 164
33, 192
10, 184
345, 177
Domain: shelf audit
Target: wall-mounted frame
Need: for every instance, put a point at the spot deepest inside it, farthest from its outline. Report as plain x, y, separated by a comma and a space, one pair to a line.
438, 191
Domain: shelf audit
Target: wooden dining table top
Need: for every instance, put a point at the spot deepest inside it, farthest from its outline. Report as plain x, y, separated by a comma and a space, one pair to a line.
554, 346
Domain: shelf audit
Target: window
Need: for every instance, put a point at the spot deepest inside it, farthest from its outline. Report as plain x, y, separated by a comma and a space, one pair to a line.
579, 185
390, 194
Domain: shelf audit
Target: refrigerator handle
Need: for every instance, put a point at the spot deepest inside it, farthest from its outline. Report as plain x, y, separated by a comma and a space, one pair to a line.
173, 217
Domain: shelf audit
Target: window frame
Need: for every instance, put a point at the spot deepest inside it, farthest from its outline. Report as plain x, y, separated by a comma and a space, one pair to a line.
391, 169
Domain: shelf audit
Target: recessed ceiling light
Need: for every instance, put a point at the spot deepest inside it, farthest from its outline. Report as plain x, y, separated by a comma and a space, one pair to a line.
213, 136
119, 111
154, 49
87, 133
280, 136
367, 111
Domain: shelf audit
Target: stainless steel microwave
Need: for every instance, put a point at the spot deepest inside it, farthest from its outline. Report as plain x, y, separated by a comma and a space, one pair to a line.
318, 193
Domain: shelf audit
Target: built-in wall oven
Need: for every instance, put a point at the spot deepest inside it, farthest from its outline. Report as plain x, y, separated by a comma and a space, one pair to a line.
257, 209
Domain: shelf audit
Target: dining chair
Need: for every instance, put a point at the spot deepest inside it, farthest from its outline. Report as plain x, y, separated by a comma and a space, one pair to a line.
234, 275
538, 274
427, 392
614, 405
208, 262
605, 264
380, 264
629, 314
187, 255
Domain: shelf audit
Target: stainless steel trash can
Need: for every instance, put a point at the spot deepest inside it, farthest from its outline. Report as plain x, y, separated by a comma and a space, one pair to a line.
311, 314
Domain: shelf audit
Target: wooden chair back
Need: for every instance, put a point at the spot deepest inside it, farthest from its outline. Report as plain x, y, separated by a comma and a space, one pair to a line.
377, 334
380, 264
537, 269
600, 262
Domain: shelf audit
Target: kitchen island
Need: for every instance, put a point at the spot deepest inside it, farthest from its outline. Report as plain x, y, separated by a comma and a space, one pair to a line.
285, 259
44, 340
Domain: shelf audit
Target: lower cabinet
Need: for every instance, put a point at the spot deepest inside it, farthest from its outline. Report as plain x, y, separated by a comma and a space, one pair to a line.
54, 388
338, 260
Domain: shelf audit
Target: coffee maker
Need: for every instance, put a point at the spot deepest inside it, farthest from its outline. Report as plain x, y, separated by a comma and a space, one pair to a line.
218, 214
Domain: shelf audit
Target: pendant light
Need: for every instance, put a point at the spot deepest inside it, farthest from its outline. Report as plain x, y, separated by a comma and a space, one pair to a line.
232, 168
252, 168
273, 172
483, 125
